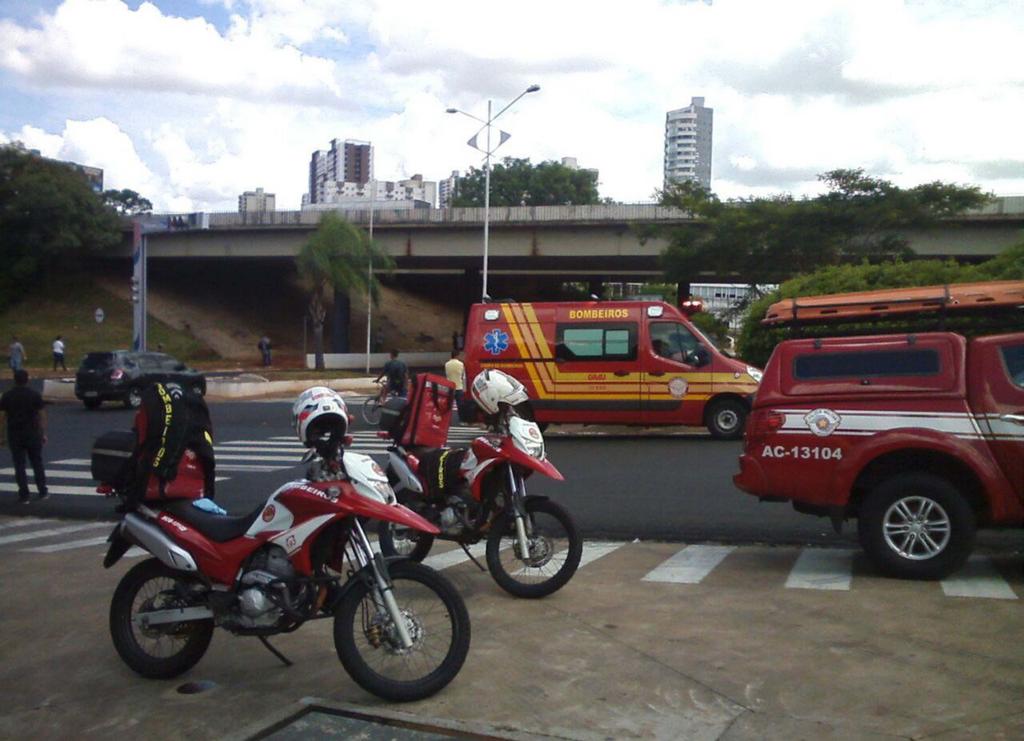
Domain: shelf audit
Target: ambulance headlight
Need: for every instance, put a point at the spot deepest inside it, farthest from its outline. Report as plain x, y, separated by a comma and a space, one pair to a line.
755, 373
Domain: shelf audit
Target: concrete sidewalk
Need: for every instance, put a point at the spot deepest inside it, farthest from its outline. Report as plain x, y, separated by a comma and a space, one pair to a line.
610, 656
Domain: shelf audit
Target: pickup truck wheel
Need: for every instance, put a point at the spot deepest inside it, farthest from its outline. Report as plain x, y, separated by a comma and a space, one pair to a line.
916, 526
726, 419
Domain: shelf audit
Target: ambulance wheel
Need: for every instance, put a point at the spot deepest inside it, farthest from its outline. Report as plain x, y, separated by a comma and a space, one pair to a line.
726, 418
396, 540
916, 525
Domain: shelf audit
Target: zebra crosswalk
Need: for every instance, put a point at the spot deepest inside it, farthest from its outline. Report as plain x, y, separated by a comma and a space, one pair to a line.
814, 569
72, 477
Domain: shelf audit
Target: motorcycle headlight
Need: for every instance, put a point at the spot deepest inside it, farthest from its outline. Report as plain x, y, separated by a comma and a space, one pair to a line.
755, 373
533, 448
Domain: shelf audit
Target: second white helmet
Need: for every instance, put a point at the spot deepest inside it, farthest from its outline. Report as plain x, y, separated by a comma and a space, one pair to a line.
318, 411
492, 387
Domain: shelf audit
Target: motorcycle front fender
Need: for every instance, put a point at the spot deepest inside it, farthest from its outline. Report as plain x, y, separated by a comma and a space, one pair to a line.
119, 545
517, 456
397, 513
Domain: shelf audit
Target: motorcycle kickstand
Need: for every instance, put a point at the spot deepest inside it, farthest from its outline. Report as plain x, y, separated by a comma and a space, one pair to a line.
472, 557
278, 654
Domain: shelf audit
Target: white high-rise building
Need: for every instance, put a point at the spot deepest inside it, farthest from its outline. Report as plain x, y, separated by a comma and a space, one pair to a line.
415, 192
349, 161
446, 190
688, 133
256, 202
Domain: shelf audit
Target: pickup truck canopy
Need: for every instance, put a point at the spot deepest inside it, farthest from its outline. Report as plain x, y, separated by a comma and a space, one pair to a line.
896, 302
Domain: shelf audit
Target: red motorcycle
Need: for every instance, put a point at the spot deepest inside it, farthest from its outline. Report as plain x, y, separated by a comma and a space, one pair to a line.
533, 546
401, 630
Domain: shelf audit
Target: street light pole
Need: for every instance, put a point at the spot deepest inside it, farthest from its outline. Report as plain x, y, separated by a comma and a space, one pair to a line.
369, 284
488, 151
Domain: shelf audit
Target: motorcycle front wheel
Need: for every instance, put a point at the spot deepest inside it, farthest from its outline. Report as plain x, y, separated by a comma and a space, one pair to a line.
436, 620
159, 651
555, 547
395, 540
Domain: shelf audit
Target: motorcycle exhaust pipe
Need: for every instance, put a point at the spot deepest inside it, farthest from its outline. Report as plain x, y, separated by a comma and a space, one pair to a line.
153, 539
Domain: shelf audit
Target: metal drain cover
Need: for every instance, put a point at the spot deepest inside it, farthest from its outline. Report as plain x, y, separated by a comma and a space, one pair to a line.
328, 723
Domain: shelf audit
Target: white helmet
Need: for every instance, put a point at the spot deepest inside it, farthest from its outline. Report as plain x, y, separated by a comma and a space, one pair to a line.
492, 387
319, 411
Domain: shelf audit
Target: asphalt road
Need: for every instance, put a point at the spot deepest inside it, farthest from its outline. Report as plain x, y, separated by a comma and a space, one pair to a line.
676, 488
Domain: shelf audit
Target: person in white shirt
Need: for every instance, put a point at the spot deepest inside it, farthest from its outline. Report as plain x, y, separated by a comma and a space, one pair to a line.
455, 371
58, 353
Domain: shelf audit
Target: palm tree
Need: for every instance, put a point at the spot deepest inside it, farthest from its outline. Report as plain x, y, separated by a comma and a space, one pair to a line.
336, 258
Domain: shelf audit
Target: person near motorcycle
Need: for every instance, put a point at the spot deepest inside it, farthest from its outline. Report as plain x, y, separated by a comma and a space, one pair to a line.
397, 373
170, 420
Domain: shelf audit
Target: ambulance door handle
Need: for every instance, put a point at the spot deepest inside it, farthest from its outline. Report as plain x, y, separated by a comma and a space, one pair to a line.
655, 373
621, 373
1017, 419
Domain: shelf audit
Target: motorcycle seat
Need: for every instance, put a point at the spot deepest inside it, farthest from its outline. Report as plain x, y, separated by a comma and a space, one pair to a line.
219, 528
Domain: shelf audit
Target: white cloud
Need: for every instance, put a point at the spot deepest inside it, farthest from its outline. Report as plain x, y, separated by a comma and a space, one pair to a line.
910, 91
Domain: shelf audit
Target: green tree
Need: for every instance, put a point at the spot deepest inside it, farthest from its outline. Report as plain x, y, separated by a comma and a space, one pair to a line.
127, 202
336, 258
756, 342
769, 239
49, 217
515, 182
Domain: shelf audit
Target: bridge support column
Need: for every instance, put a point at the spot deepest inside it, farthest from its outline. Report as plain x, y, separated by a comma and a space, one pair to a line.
682, 292
340, 319
595, 287
468, 291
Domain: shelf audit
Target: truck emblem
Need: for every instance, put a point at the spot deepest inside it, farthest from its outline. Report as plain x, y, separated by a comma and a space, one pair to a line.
822, 422
496, 342
677, 387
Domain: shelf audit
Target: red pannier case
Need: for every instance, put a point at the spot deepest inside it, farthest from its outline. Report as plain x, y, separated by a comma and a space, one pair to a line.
188, 483
429, 412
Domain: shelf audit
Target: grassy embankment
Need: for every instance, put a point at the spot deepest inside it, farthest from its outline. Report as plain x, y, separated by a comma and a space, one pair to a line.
68, 309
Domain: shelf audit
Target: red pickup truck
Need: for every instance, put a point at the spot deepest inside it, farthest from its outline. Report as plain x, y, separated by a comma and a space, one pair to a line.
918, 436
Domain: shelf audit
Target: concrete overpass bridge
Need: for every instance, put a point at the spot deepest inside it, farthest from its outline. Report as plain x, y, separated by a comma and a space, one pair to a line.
564, 243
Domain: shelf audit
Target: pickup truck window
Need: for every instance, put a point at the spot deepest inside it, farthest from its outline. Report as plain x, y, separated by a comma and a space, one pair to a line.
1013, 357
866, 364
596, 342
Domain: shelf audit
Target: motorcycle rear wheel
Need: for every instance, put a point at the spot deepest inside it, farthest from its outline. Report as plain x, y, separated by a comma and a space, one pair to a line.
395, 540
436, 619
161, 651
555, 550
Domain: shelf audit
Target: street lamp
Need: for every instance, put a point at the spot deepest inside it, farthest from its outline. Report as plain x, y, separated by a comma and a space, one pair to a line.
488, 151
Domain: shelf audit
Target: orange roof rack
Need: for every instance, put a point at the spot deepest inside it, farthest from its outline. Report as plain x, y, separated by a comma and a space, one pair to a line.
896, 302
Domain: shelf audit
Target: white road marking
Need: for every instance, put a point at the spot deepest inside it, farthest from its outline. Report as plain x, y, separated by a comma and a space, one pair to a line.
455, 556
27, 521
67, 546
78, 491
17, 538
978, 578
265, 458
822, 568
596, 550
244, 468
61, 474
690, 565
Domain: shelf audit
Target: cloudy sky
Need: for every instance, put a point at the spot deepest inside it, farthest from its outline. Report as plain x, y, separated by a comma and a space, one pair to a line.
191, 102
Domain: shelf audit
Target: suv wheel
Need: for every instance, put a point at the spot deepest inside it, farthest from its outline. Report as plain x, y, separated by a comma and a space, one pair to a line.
726, 419
916, 526
134, 398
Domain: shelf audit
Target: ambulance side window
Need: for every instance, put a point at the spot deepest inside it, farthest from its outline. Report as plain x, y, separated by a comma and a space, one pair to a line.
674, 341
596, 341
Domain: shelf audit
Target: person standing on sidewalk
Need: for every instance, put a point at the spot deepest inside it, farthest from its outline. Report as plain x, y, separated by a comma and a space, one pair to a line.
25, 418
16, 354
264, 346
58, 353
455, 371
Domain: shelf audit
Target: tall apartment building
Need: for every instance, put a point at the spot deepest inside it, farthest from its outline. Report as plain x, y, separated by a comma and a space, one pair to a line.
256, 202
345, 162
446, 190
688, 133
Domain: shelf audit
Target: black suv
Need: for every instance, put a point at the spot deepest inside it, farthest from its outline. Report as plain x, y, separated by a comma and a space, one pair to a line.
121, 375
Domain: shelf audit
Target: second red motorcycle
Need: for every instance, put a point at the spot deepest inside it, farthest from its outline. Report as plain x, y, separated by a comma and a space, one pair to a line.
533, 547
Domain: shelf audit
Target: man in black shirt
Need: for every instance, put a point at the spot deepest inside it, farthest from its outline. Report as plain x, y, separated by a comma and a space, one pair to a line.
26, 432
398, 375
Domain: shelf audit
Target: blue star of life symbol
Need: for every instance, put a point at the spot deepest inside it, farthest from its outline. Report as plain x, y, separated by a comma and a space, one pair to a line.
496, 342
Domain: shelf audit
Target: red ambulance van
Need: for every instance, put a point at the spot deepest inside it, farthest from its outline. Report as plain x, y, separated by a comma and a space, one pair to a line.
622, 362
